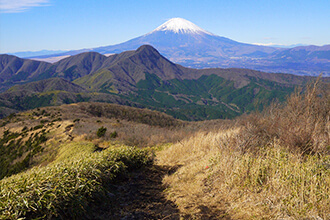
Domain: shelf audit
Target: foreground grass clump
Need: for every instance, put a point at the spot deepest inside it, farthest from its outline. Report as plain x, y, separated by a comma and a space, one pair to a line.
65, 189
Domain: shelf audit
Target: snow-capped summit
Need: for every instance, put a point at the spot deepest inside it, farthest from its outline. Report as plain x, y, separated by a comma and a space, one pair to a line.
185, 43
180, 25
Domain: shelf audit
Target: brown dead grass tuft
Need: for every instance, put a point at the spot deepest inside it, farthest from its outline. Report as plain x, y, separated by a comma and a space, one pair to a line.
302, 124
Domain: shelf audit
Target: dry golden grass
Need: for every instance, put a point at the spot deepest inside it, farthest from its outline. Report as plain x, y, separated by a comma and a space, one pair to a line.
302, 124
192, 157
273, 184
271, 165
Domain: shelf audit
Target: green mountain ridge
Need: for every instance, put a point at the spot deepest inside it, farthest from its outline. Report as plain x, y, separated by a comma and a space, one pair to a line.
144, 78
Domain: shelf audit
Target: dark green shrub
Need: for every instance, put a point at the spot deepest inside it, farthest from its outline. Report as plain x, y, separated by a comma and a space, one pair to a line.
38, 127
114, 134
57, 119
76, 120
44, 121
4, 123
101, 131
11, 116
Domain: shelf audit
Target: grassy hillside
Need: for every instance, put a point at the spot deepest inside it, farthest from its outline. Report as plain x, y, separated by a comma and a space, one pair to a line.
64, 166
54, 162
34, 137
81, 163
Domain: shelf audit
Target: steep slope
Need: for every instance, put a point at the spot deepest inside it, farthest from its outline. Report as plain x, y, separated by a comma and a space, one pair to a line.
47, 85
78, 66
49, 92
180, 39
187, 44
46, 92
122, 72
16, 70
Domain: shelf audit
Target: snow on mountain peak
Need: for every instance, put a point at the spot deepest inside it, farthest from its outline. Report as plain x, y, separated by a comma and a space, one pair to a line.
180, 25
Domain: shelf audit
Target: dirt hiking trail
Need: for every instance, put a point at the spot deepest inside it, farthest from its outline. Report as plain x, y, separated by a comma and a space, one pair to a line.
140, 195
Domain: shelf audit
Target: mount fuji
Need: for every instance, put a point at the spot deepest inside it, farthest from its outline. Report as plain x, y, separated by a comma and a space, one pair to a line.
185, 43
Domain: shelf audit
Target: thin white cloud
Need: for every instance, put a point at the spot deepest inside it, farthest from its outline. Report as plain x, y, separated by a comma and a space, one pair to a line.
269, 38
16, 6
267, 44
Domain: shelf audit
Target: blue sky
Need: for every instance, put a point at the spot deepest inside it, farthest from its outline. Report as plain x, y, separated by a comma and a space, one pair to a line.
32, 25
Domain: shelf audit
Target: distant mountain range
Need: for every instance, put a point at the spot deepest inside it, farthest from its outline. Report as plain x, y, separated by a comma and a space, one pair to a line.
27, 54
187, 44
140, 78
